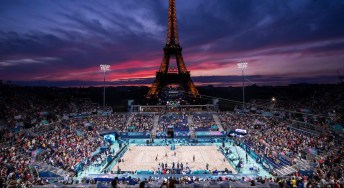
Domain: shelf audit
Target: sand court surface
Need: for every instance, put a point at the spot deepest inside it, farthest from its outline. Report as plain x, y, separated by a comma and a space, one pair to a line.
144, 158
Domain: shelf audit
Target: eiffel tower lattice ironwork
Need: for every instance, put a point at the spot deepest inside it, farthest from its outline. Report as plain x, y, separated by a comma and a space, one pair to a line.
181, 75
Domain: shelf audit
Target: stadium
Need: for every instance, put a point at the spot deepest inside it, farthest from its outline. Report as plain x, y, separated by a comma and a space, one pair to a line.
89, 146
173, 133
74, 142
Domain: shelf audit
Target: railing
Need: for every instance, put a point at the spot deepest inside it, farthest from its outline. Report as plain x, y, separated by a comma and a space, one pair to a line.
105, 132
114, 161
308, 127
231, 161
303, 130
262, 159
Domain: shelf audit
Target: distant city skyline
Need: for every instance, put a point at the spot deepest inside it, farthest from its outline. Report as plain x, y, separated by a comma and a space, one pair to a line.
63, 43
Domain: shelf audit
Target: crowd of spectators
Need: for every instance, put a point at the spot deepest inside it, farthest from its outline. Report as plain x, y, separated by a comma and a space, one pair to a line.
141, 122
273, 140
315, 107
14, 160
177, 120
203, 121
323, 103
329, 168
69, 144
231, 121
103, 123
25, 108
64, 147
114, 121
194, 181
74, 139
204, 181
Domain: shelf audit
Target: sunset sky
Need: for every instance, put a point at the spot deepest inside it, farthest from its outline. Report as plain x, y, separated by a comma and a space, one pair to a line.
63, 42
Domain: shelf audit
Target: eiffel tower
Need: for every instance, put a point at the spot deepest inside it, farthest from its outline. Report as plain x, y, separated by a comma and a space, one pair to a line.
169, 75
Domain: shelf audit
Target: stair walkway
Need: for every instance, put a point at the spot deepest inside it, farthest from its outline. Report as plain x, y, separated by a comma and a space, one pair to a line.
302, 164
130, 119
191, 127
155, 126
42, 166
36, 131
218, 122
286, 170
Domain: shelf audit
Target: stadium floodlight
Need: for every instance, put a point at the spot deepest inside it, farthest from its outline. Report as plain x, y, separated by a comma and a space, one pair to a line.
104, 68
243, 65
